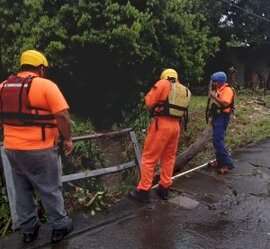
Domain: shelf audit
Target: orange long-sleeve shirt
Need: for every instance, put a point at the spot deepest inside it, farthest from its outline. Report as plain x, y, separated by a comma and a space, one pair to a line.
43, 94
159, 92
226, 94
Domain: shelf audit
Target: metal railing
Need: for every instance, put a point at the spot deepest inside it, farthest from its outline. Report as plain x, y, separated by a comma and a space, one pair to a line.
75, 176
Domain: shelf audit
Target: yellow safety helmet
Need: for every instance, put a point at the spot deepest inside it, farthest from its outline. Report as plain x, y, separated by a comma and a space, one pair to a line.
169, 73
33, 58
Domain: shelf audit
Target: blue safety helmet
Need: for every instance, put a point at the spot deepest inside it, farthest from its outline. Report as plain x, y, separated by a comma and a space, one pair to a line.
219, 77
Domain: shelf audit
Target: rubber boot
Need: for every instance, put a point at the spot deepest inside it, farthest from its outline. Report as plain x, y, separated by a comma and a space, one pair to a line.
29, 237
142, 196
223, 170
59, 234
163, 193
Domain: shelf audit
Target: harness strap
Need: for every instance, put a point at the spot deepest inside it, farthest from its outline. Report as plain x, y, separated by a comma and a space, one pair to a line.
164, 106
46, 125
20, 94
180, 108
26, 116
43, 133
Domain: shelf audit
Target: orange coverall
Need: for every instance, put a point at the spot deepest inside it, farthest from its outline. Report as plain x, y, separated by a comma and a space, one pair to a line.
161, 141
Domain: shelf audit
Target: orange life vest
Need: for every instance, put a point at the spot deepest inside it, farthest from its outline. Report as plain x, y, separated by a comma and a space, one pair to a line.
15, 108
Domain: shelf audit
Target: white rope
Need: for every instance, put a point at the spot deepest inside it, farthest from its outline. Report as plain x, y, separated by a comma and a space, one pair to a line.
188, 171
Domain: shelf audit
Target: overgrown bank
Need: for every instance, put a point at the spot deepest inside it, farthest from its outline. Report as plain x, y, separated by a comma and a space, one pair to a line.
250, 124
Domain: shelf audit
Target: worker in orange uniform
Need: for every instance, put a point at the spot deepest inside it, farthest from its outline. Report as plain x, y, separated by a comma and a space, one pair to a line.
167, 101
34, 112
222, 97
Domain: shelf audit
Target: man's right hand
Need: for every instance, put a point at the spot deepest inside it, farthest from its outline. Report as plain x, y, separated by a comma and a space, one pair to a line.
212, 94
68, 146
63, 123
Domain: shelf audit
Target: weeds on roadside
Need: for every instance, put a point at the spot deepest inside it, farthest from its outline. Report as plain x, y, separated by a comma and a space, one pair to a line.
5, 220
138, 119
91, 197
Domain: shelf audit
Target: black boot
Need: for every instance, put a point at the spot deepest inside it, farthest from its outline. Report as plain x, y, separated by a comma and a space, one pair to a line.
163, 193
59, 234
29, 237
140, 196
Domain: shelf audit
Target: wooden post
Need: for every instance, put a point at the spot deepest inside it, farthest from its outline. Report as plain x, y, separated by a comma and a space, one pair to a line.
10, 189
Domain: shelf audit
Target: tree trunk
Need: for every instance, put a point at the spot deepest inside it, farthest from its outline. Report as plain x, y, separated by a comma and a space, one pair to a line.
194, 148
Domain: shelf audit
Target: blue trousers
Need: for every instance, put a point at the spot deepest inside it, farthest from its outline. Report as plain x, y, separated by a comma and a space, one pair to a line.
220, 123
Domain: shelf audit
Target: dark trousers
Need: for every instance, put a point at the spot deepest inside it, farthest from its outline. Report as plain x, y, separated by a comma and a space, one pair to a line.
220, 123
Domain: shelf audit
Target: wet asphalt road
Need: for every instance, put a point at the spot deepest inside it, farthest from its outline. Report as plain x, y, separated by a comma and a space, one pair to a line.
205, 211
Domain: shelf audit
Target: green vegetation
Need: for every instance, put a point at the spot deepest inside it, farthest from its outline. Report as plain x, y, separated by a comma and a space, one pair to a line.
238, 25
5, 222
104, 53
250, 123
252, 120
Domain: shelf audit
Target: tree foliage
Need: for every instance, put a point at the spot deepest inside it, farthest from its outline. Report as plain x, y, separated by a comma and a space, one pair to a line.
247, 26
239, 22
102, 52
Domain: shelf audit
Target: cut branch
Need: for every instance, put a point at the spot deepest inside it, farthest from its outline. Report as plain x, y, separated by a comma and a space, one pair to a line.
194, 148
